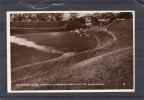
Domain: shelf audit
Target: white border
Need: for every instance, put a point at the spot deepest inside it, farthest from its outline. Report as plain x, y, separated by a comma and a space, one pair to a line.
63, 91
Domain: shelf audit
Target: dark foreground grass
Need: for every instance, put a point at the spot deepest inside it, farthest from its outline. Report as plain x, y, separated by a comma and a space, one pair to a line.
113, 70
22, 55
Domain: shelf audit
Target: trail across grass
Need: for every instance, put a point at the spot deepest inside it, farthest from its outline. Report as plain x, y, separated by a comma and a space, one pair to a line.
110, 63
99, 45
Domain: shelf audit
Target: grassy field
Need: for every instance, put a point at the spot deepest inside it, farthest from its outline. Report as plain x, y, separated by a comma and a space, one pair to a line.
124, 31
39, 27
38, 24
64, 41
22, 55
110, 64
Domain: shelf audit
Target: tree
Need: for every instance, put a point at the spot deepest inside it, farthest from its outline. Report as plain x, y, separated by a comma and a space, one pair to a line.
81, 20
56, 16
73, 16
94, 21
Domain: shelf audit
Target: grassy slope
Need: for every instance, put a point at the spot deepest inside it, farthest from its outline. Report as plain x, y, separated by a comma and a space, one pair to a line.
39, 24
63, 41
18, 27
50, 27
113, 70
22, 55
123, 31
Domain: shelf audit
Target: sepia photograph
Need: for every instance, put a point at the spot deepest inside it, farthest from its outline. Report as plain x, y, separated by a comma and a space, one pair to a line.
70, 51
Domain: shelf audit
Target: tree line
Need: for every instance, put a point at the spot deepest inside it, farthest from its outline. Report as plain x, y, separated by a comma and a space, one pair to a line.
95, 18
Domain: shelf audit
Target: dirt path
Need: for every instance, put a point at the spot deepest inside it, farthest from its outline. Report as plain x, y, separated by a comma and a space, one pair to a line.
91, 60
112, 34
66, 55
77, 65
109, 42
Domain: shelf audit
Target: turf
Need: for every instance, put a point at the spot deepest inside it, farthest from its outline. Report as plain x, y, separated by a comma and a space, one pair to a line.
111, 65
63, 41
22, 55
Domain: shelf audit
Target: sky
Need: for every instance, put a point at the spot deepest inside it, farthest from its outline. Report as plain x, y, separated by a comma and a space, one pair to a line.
67, 15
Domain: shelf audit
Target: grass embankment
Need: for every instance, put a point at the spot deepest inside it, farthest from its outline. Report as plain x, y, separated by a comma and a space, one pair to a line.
63, 41
123, 29
22, 55
113, 70
39, 27
111, 66
51, 24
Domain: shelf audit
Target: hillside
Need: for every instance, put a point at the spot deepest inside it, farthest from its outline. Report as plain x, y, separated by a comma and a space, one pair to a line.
109, 64
39, 27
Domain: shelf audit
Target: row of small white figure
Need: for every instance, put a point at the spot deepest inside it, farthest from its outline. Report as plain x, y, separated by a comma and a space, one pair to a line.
99, 29
80, 30
83, 30
103, 29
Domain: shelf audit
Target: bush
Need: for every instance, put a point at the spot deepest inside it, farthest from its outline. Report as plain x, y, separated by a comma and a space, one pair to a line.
71, 25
